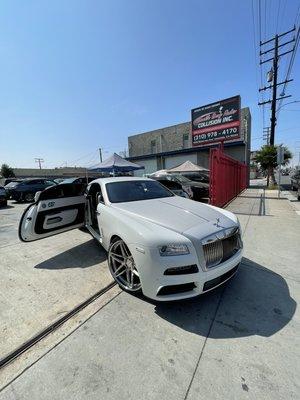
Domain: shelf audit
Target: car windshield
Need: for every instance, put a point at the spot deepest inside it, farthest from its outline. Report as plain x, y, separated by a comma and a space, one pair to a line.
69, 180
181, 178
120, 192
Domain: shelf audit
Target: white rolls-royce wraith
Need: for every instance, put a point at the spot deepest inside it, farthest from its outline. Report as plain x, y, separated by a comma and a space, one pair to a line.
166, 246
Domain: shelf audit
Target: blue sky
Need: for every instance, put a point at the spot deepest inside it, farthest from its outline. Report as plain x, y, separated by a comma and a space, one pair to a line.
78, 75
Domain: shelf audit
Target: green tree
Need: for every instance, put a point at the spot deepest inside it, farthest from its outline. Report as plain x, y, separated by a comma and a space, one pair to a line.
6, 171
267, 158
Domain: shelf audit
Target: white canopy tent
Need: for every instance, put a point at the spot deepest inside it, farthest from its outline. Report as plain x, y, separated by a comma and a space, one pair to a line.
188, 166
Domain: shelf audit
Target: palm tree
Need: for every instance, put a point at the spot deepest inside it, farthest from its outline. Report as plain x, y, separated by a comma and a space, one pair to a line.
6, 171
267, 158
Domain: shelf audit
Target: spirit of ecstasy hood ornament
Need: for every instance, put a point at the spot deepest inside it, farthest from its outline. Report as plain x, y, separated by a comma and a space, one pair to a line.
217, 223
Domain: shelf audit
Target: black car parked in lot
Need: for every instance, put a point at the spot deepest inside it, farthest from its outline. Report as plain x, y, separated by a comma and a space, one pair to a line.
3, 198
175, 187
197, 176
195, 190
8, 180
78, 180
27, 188
295, 180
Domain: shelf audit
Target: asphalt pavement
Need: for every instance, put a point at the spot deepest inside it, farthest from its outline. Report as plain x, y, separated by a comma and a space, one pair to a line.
43, 280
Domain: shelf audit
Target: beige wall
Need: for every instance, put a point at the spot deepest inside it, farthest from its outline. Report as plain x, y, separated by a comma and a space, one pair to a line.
166, 139
55, 172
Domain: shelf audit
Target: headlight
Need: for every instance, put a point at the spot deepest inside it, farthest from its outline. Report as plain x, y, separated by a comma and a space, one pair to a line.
174, 250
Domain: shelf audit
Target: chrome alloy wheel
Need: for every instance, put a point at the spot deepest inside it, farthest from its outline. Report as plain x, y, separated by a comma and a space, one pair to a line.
122, 266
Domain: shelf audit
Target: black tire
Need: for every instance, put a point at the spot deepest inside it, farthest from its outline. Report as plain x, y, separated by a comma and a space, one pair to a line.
18, 199
29, 197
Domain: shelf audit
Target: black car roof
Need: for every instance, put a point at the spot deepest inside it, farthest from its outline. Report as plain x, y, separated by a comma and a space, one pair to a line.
38, 178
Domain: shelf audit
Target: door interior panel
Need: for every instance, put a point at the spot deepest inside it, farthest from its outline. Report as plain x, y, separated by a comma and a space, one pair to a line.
62, 217
58, 209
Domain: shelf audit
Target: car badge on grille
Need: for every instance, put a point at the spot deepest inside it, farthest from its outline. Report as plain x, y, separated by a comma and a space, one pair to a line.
220, 235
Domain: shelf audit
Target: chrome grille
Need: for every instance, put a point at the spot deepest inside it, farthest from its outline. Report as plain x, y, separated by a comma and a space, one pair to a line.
220, 250
213, 253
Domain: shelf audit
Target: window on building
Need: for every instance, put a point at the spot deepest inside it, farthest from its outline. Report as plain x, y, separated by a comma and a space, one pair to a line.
153, 146
185, 140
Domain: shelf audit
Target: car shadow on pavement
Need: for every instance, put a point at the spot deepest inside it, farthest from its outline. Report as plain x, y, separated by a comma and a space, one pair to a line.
255, 302
82, 256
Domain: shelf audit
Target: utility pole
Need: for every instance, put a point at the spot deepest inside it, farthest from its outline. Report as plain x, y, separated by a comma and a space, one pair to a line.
100, 154
275, 71
39, 161
273, 74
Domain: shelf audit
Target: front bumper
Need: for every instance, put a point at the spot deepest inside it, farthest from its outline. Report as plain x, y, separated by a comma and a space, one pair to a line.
152, 267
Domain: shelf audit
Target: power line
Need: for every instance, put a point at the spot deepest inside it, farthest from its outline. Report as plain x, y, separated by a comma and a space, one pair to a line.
265, 30
261, 68
289, 65
256, 55
259, 19
293, 110
282, 15
81, 158
292, 59
267, 135
279, 4
278, 52
297, 15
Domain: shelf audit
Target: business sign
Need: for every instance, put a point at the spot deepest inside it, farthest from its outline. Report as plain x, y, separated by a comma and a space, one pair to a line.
217, 121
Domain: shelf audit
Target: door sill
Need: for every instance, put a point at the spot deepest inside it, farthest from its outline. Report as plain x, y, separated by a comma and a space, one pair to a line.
94, 233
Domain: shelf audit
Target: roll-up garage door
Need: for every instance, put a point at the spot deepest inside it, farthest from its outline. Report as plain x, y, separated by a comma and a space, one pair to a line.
174, 161
150, 166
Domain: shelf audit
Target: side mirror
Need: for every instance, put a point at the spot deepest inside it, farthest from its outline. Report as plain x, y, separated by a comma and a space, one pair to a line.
37, 196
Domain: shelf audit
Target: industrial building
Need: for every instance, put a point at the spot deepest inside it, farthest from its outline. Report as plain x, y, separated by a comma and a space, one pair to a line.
64, 172
168, 147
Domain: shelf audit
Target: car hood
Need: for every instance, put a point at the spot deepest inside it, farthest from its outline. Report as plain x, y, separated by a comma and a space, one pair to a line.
177, 213
9, 186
